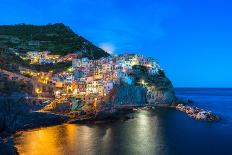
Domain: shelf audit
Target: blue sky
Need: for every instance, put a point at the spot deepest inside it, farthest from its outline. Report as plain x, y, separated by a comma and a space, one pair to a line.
192, 39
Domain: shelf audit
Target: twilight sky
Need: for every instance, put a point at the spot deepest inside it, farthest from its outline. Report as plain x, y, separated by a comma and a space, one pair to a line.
192, 39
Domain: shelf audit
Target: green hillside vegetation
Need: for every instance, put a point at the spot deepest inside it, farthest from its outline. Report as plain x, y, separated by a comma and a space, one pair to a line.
11, 62
56, 38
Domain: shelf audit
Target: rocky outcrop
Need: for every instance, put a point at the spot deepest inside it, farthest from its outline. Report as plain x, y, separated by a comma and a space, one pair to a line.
11, 108
15, 114
7, 147
146, 89
161, 97
160, 92
197, 113
129, 94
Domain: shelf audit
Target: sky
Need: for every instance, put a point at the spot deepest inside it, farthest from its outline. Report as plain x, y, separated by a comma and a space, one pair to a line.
192, 39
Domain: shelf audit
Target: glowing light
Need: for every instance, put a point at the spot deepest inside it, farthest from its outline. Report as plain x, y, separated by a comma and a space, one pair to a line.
75, 91
38, 90
57, 93
142, 82
70, 69
95, 103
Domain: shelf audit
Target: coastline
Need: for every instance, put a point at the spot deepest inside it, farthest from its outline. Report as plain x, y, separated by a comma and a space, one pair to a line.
37, 121
6, 137
52, 119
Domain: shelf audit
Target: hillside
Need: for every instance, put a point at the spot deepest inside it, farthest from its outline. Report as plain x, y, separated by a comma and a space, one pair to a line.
56, 38
11, 62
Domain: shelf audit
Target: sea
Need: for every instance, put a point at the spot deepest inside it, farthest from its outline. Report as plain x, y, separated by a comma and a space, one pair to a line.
163, 131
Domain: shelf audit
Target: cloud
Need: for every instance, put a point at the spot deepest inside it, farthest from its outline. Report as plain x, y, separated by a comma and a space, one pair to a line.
108, 47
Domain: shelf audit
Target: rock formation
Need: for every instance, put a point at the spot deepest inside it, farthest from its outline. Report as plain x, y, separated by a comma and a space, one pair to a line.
129, 94
146, 89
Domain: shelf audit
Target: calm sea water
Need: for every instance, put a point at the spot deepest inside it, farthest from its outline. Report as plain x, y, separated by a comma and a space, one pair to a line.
162, 132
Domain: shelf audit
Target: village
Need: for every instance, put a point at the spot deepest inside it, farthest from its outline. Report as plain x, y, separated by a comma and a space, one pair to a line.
88, 81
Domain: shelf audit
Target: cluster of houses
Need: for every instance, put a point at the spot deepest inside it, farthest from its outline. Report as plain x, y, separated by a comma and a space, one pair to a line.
98, 77
91, 80
45, 57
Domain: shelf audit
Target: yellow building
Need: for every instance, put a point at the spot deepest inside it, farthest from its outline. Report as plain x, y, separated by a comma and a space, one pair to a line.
98, 74
52, 57
59, 84
95, 87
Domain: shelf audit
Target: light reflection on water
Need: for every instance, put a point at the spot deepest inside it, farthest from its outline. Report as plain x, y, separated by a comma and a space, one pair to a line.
137, 136
162, 132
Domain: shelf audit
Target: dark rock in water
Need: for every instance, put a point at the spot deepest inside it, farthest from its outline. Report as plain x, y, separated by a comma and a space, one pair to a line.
102, 115
37, 119
10, 110
7, 147
127, 117
197, 113
213, 117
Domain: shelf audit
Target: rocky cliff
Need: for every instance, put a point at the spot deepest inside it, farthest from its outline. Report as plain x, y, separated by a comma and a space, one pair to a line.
129, 94
145, 89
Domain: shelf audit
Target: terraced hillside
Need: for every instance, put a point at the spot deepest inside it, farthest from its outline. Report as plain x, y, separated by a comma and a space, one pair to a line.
56, 38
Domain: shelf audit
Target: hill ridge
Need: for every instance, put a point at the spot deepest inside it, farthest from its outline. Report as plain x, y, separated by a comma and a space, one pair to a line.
57, 38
